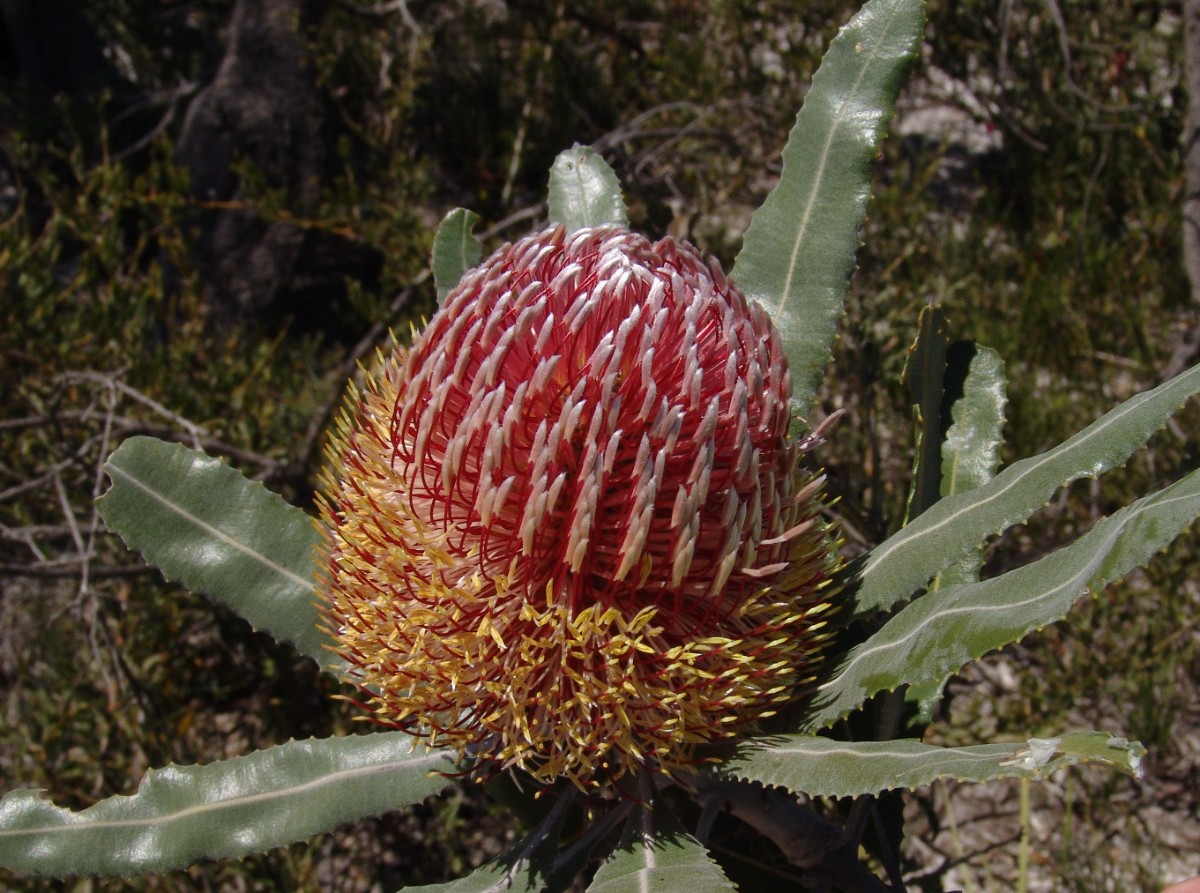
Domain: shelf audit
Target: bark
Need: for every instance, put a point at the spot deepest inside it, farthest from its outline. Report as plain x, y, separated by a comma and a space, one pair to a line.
1191, 203
264, 107
1185, 353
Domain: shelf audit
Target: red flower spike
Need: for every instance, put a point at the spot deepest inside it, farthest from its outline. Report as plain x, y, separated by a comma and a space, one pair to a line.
567, 529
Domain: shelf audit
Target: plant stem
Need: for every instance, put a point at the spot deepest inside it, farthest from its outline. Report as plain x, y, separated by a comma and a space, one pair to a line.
1023, 846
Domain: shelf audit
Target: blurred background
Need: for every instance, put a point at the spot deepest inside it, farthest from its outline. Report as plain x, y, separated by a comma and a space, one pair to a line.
211, 210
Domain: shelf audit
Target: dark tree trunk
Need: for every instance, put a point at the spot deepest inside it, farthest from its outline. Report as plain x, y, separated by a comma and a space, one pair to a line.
1191, 205
264, 107
1185, 353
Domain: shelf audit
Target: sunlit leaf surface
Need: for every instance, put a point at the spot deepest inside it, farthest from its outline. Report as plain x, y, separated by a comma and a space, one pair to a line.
798, 253
205, 525
821, 767
657, 854
584, 191
222, 810
957, 524
943, 630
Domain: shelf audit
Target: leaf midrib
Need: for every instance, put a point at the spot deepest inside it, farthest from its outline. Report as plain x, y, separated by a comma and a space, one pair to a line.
826, 152
1082, 576
81, 823
215, 532
1017, 474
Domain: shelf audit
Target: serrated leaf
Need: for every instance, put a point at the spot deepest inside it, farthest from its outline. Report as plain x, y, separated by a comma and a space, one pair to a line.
948, 531
656, 854
181, 814
922, 701
939, 633
798, 253
971, 450
584, 191
205, 525
455, 250
822, 767
970, 455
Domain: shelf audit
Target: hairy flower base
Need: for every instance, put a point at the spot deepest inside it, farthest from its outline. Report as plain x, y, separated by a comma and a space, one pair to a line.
567, 530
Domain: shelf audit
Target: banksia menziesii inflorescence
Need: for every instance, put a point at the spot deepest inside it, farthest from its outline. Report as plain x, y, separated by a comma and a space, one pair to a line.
567, 529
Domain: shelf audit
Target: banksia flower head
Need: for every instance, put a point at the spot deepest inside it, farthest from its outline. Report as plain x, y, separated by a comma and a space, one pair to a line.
567, 530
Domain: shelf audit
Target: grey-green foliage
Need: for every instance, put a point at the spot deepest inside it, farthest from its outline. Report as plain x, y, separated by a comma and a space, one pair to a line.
584, 191
206, 526
181, 814
969, 458
943, 630
203, 524
823, 767
799, 251
959, 523
455, 250
656, 853
971, 450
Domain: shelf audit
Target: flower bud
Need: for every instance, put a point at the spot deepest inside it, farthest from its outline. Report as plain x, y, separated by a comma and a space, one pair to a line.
567, 529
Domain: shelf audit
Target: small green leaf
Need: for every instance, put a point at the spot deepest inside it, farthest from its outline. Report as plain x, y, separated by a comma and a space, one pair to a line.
821, 767
971, 451
205, 525
798, 253
181, 814
455, 250
656, 854
948, 531
584, 191
939, 633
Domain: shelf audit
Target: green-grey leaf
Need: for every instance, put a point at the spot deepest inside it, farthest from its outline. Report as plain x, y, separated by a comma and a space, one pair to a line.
970, 456
455, 250
181, 814
821, 767
957, 524
584, 191
208, 527
971, 451
798, 253
936, 635
656, 854
922, 701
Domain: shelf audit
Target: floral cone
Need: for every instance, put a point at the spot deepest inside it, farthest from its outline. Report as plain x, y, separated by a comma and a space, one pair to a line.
567, 530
